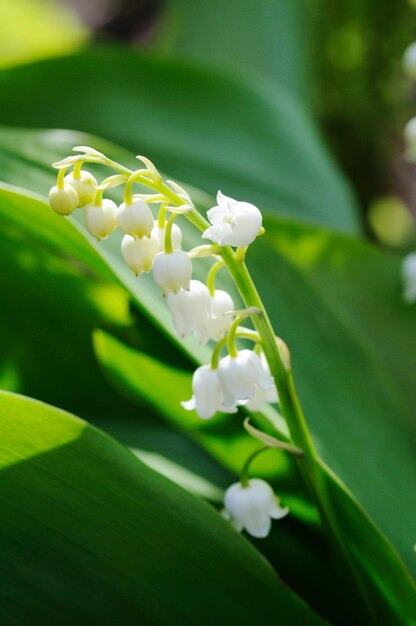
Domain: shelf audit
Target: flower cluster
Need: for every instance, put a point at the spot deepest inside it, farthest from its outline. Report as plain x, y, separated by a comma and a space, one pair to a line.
153, 243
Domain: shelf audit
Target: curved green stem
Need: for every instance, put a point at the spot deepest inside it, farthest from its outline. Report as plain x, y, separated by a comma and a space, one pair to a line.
60, 180
168, 233
212, 275
161, 220
98, 198
140, 176
77, 169
244, 479
232, 349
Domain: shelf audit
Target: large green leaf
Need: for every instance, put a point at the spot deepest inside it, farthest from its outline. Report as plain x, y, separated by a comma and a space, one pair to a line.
90, 535
203, 126
274, 40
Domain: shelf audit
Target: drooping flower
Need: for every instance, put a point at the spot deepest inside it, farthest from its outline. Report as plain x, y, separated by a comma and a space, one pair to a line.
234, 223
172, 271
85, 185
64, 200
207, 396
408, 271
100, 220
139, 254
221, 303
241, 375
409, 61
135, 219
252, 507
263, 396
191, 311
159, 234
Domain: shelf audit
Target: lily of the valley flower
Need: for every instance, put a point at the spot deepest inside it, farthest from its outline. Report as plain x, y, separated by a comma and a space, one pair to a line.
408, 271
252, 507
100, 220
263, 396
139, 253
135, 219
85, 185
234, 223
220, 304
207, 396
241, 375
64, 200
191, 311
172, 271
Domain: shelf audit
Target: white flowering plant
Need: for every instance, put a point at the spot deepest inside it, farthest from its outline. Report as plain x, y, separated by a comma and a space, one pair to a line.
207, 391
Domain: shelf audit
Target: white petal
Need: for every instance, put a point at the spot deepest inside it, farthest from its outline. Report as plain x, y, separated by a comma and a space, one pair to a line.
189, 405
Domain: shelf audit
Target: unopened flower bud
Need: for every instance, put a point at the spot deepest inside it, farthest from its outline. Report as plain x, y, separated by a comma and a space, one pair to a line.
409, 61
240, 375
252, 507
207, 396
221, 303
100, 220
85, 186
63, 200
172, 271
135, 219
191, 311
408, 271
139, 253
176, 236
234, 223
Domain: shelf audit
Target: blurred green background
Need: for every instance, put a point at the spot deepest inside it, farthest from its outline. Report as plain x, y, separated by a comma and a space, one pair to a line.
341, 60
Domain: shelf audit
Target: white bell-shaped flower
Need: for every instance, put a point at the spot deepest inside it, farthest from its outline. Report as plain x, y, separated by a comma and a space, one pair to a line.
135, 219
172, 271
409, 61
241, 375
100, 220
176, 236
252, 507
409, 135
263, 396
191, 311
221, 303
63, 200
234, 223
85, 186
207, 396
408, 271
139, 254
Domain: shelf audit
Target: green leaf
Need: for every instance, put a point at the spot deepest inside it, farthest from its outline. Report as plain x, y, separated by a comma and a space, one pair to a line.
274, 40
90, 535
46, 322
205, 127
